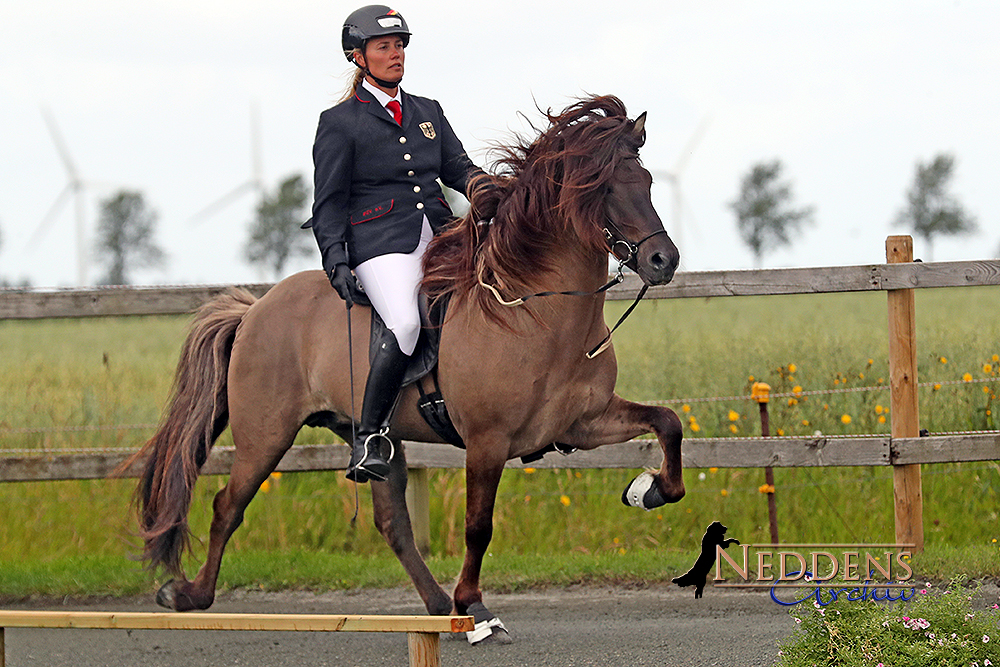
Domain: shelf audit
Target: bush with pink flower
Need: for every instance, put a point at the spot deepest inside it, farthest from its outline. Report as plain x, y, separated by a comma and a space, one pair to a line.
947, 627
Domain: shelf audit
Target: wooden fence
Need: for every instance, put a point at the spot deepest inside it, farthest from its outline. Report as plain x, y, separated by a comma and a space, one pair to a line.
902, 450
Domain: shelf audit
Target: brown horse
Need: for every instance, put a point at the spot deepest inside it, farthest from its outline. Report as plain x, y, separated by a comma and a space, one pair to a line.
516, 375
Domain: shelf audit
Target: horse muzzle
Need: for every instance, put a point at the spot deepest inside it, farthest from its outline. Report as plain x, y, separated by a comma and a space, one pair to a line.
657, 263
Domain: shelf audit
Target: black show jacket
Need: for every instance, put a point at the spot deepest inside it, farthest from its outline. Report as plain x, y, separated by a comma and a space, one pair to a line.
375, 180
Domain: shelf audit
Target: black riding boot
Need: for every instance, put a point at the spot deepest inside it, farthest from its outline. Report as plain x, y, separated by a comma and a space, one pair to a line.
384, 379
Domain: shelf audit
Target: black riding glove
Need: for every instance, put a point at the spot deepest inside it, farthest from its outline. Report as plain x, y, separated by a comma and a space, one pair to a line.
343, 281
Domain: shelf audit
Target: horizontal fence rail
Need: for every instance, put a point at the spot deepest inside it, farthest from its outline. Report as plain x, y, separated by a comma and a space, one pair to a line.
110, 301
777, 452
899, 452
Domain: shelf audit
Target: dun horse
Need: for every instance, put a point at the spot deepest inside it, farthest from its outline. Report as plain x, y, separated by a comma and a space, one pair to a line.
516, 374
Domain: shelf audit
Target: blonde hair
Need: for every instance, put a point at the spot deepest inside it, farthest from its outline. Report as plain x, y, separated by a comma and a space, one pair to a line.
355, 81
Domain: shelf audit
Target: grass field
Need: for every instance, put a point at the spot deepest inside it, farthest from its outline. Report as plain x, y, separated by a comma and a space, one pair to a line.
566, 525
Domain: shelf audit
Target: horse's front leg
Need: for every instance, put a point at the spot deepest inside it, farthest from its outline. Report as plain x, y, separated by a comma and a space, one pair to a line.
623, 420
483, 468
392, 518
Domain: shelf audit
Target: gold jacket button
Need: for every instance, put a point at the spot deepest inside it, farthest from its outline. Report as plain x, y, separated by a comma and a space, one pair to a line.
402, 140
416, 188
409, 173
420, 205
406, 156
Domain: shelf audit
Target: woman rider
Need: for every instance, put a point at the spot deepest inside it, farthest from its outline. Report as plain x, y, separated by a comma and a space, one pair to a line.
377, 157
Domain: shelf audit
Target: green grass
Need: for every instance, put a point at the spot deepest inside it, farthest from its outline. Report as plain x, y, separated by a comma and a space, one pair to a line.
939, 627
558, 524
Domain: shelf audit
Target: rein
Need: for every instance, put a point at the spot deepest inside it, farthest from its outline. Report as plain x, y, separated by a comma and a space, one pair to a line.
615, 238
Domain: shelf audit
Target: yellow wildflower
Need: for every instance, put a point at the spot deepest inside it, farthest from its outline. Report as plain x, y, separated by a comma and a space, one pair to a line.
733, 415
937, 386
942, 360
791, 368
724, 493
879, 409
529, 471
846, 419
967, 377
695, 427
713, 470
987, 368
766, 488
686, 408
564, 500
732, 428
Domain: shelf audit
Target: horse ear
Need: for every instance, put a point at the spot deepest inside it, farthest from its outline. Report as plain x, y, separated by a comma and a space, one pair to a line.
638, 125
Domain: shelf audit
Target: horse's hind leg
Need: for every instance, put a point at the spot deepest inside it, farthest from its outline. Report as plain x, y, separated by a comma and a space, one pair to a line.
250, 469
393, 520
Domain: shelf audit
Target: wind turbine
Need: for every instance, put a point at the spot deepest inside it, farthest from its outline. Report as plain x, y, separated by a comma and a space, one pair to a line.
254, 184
74, 188
674, 178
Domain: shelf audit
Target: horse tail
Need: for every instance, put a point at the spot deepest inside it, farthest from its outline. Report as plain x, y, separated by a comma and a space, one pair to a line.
197, 415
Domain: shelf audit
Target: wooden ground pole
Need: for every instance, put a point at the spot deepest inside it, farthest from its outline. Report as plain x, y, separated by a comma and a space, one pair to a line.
422, 631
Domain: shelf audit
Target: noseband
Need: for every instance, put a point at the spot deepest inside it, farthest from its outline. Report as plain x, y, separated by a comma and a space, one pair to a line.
615, 239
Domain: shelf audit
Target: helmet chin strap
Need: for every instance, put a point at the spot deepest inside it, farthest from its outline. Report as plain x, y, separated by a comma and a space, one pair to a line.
383, 82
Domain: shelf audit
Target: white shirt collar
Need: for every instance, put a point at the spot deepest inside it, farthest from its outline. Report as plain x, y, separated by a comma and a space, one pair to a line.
380, 95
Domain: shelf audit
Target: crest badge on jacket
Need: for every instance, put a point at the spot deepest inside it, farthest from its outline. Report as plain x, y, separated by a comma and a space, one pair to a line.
428, 130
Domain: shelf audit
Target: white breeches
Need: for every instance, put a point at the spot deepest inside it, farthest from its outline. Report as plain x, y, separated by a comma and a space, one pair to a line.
392, 283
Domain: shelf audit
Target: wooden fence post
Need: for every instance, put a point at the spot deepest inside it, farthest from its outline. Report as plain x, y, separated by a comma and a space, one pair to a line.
906, 486
418, 499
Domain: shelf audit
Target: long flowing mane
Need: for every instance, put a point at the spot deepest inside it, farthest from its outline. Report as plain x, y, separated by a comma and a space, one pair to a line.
539, 193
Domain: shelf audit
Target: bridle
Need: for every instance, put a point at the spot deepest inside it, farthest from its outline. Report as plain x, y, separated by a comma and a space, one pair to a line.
615, 239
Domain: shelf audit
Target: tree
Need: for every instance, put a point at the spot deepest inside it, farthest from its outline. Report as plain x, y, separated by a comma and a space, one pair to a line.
275, 236
930, 211
764, 216
125, 230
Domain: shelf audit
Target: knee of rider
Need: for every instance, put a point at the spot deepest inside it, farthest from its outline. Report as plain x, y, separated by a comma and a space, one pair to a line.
406, 335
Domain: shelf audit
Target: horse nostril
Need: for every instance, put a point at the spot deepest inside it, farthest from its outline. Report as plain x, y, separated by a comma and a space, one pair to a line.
658, 261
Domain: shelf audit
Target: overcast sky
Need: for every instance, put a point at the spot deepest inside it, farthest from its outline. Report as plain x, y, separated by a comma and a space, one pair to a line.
157, 97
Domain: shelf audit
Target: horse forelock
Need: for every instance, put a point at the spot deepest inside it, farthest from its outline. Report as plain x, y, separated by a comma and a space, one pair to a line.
540, 193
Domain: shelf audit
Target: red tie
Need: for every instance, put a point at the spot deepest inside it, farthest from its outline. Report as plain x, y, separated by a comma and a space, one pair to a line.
397, 111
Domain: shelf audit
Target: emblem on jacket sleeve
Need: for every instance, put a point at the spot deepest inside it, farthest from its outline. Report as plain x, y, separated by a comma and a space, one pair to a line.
428, 130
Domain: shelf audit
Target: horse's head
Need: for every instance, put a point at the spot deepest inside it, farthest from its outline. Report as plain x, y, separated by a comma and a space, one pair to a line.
633, 229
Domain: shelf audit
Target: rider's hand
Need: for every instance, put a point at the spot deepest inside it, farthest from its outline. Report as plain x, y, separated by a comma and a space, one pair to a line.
343, 281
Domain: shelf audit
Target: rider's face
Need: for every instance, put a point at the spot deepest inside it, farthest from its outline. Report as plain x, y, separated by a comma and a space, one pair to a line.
384, 57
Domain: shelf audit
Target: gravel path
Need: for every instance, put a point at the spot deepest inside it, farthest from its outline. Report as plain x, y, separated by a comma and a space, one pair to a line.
658, 625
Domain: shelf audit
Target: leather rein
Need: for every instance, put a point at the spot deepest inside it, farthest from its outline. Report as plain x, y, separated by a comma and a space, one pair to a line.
617, 241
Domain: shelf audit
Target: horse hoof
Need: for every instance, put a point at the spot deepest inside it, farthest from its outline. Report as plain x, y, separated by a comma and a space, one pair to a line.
489, 629
172, 596
166, 596
643, 492
489, 632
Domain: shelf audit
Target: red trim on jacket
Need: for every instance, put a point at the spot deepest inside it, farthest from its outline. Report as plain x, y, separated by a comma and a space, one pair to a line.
373, 213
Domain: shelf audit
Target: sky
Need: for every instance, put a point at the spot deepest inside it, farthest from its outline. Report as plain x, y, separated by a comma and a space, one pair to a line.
159, 97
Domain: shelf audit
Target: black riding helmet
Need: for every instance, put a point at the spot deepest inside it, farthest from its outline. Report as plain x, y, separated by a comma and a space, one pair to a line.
371, 21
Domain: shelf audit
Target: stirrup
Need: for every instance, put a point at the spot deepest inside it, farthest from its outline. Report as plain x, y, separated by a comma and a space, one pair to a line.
360, 473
